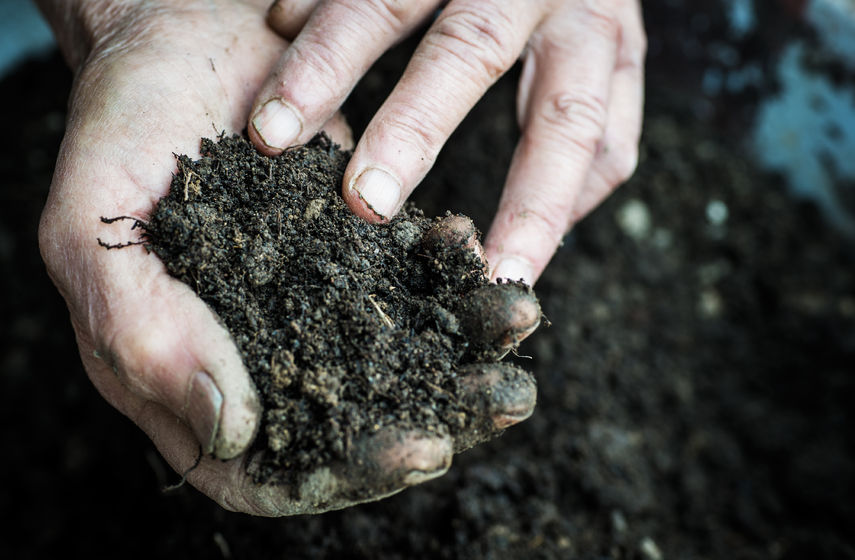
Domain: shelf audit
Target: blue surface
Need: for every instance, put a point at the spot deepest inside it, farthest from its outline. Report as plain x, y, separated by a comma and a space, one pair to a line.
23, 33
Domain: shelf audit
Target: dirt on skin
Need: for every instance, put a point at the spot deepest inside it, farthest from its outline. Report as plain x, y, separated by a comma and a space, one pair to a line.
347, 328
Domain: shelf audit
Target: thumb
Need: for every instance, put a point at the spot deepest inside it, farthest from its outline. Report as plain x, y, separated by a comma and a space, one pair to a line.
168, 347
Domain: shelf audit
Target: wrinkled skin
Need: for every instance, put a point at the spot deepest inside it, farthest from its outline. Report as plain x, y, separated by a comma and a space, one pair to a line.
151, 79
579, 104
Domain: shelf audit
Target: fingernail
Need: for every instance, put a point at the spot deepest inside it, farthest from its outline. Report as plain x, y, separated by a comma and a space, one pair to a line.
417, 477
513, 268
204, 406
380, 191
506, 393
277, 124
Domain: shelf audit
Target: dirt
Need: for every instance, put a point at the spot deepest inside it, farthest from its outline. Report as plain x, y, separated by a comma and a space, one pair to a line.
347, 328
696, 386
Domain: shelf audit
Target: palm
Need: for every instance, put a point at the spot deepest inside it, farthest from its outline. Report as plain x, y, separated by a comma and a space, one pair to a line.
187, 75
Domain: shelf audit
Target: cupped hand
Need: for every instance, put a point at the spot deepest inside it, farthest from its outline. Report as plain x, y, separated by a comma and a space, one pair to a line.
154, 78
579, 103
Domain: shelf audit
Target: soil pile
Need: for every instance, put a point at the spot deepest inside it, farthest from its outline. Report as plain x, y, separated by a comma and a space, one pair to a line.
345, 327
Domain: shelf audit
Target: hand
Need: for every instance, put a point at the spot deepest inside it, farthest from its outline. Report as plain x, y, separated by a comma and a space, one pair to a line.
579, 104
156, 77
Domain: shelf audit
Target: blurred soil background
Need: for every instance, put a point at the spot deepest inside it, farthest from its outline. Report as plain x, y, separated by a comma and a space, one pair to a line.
697, 385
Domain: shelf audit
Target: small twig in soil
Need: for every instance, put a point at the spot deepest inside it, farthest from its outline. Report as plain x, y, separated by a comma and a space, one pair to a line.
545, 319
386, 319
188, 176
436, 387
514, 352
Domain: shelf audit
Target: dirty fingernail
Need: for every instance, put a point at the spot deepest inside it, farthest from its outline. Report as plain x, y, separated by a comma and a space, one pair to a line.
506, 393
277, 124
204, 406
417, 477
513, 268
516, 412
380, 191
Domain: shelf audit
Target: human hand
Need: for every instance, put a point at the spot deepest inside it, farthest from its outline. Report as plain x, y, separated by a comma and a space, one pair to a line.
579, 103
155, 77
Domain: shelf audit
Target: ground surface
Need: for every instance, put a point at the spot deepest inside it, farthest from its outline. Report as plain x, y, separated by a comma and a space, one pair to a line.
696, 386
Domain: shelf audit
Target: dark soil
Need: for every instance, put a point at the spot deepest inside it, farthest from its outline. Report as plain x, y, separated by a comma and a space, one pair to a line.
696, 386
347, 328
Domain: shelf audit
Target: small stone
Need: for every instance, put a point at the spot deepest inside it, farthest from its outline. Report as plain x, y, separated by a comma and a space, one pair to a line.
314, 209
619, 524
634, 219
717, 213
710, 304
649, 550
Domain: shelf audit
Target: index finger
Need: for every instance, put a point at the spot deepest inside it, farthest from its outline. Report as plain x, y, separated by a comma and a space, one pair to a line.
336, 46
564, 117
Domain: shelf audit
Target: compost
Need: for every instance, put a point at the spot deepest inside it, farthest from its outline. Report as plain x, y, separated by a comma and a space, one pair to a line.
346, 327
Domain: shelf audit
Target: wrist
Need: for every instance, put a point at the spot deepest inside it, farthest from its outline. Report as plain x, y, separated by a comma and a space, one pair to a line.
80, 26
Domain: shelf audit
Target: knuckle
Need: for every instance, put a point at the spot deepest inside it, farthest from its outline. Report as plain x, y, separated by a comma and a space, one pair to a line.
139, 354
601, 18
576, 118
615, 168
394, 13
632, 56
327, 61
478, 36
640, 46
550, 215
409, 127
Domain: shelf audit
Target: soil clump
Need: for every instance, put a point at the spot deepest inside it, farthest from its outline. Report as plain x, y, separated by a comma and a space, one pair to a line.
346, 327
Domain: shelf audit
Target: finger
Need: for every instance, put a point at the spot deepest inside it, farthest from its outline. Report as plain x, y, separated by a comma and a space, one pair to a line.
288, 17
496, 318
457, 232
455, 236
168, 348
499, 396
464, 52
617, 157
339, 131
391, 459
382, 464
571, 66
334, 49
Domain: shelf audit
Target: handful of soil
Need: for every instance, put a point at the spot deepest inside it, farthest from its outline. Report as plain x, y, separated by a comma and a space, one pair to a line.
345, 327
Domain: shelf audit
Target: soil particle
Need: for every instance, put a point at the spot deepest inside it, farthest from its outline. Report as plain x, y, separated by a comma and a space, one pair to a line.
347, 328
